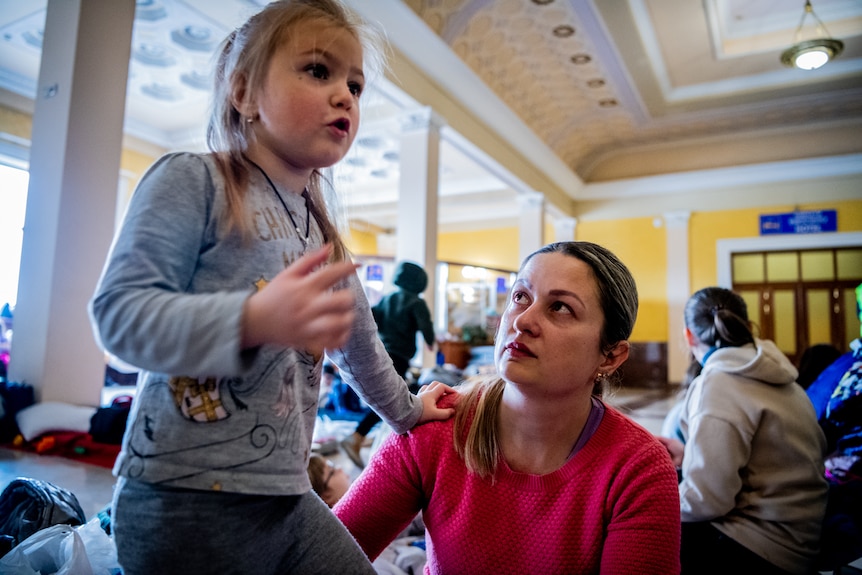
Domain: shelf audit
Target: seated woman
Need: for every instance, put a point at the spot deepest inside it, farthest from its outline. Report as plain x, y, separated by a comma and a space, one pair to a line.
753, 491
534, 474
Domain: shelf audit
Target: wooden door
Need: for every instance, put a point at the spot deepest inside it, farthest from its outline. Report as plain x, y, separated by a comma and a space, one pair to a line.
799, 298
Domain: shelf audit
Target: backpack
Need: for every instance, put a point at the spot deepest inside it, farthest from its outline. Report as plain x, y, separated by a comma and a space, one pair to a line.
108, 424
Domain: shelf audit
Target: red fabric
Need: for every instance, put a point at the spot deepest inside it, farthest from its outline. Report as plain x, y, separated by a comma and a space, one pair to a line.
71, 445
613, 508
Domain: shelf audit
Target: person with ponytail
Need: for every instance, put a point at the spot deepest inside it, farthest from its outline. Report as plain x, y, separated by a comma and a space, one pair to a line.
752, 490
535, 473
226, 285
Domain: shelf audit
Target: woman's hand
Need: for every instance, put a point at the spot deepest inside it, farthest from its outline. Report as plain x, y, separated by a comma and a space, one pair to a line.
433, 393
300, 307
675, 448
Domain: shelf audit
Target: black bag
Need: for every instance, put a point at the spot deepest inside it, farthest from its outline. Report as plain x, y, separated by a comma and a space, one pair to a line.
29, 505
14, 397
108, 424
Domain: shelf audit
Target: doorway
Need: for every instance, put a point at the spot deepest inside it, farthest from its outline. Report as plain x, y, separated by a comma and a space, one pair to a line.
800, 296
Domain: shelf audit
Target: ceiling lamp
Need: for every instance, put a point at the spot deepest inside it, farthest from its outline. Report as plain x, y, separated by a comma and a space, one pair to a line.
811, 54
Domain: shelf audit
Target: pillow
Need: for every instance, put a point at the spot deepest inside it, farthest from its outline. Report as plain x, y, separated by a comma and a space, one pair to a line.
46, 416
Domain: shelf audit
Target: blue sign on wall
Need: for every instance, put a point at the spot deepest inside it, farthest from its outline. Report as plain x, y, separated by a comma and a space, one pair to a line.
374, 272
501, 285
799, 223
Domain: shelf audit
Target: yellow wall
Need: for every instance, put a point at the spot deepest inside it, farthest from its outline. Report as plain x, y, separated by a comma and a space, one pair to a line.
637, 242
15, 123
135, 163
361, 242
640, 245
497, 248
706, 228
21, 125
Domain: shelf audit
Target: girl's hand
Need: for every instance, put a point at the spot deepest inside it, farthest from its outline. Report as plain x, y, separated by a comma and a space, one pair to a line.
300, 307
675, 448
430, 395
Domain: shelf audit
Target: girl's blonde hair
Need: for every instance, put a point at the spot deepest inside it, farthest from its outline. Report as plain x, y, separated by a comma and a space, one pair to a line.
477, 412
242, 67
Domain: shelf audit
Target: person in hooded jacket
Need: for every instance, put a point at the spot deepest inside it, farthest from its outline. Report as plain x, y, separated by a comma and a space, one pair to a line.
752, 491
399, 315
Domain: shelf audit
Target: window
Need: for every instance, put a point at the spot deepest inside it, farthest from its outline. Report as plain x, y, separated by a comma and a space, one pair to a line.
13, 205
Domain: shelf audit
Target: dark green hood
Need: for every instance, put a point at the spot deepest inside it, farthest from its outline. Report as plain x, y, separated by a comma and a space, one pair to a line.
410, 277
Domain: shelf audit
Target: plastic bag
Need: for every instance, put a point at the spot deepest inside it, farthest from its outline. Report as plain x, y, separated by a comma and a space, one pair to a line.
64, 550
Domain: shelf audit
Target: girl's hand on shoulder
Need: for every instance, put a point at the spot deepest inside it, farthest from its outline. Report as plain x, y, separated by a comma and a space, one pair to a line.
433, 394
300, 307
674, 447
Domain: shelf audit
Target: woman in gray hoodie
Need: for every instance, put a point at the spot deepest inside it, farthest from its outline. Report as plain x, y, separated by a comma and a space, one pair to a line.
753, 490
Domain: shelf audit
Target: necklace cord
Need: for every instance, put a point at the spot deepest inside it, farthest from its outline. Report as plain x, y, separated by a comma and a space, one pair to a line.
289, 215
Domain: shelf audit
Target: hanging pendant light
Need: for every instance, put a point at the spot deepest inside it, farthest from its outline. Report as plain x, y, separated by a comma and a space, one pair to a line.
811, 54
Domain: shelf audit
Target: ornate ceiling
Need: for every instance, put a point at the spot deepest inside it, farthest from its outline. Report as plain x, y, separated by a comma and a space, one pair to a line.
590, 92
606, 84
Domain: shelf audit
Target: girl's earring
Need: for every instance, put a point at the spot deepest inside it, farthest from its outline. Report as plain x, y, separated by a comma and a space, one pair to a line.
249, 120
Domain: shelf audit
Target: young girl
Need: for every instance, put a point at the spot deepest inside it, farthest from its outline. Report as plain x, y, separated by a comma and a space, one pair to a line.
225, 285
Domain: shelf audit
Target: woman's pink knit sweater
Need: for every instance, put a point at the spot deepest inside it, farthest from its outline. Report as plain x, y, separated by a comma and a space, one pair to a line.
613, 508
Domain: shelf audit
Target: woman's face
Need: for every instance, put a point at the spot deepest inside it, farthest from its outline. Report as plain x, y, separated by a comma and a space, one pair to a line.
549, 340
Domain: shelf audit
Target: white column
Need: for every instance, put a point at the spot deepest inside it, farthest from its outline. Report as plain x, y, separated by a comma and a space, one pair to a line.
71, 203
564, 229
678, 292
531, 223
418, 192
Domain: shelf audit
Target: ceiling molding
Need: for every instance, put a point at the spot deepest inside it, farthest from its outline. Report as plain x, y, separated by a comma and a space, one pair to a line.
426, 50
709, 180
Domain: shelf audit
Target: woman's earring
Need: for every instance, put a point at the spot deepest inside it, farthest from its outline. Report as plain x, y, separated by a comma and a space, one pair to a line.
249, 120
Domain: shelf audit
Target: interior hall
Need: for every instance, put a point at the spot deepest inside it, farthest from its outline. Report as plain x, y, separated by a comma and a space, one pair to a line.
676, 134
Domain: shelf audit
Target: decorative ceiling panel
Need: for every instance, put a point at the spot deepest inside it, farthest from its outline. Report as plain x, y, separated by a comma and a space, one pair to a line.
575, 72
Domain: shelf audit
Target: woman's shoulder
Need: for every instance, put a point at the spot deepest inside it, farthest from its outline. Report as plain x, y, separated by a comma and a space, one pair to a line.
625, 435
629, 449
435, 430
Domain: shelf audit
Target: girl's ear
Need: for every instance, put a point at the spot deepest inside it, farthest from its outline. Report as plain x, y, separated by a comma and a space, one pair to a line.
615, 357
240, 100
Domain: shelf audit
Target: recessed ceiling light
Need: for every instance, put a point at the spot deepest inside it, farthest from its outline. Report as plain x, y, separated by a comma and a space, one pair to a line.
542, 2
563, 31
149, 10
34, 38
595, 83
154, 55
197, 80
371, 142
581, 59
197, 38
162, 92
608, 103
